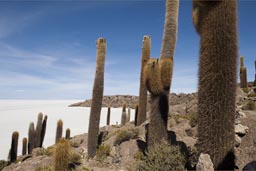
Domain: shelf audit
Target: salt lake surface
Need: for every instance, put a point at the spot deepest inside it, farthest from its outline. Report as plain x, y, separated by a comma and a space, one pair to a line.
17, 114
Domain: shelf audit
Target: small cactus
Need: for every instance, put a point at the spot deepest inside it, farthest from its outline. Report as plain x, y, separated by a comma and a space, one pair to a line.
31, 137
38, 129
243, 74
67, 134
123, 119
136, 115
24, 146
62, 155
59, 131
108, 115
14, 146
43, 131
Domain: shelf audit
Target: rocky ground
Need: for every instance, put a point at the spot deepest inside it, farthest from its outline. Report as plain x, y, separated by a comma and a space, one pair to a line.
120, 147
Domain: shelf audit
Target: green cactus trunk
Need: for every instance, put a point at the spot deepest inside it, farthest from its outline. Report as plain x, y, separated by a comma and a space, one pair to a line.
62, 156
243, 74
43, 131
142, 113
31, 137
108, 116
97, 96
14, 146
216, 23
67, 134
24, 146
59, 130
123, 116
38, 130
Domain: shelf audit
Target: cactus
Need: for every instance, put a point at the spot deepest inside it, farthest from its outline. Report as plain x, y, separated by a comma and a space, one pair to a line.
43, 131
38, 130
59, 131
24, 146
136, 115
62, 155
254, 83
152, 77
166, 68
31, 137
108, 116
97, 96
216, 23
14, 146
243, 73
128, 116
123, 118
67, 134
142, 113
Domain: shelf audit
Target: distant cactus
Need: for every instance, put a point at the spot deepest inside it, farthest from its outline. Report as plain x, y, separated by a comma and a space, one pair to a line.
43, 131
123, 116
108, 115
38, 130
67, 134
243, 74
128, 116
146, 45
62, 155
59, 130
14, 146
136, 115
97, 96
216, 23
31, 137
24, 146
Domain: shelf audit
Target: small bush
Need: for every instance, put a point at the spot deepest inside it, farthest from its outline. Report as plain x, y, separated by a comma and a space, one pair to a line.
75, 158
48, 151
43, 168
246, 90
250, 105
125, 135
102, 152
192, 117
162, 157
3, 164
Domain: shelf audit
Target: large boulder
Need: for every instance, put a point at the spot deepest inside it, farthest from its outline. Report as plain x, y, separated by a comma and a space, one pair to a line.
204, 163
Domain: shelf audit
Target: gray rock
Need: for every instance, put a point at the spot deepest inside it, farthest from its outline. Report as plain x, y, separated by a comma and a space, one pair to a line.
238, 140
241, 130
204, 163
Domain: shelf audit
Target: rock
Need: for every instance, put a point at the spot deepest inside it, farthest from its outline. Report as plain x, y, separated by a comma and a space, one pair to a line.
241, 130
128, 148
204, 163
240, 95
238, 140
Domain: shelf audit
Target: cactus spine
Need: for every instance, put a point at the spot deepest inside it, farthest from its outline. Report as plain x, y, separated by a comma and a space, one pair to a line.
38, 130
43, 131
216, 23
31, 137
123, 118
142, 113
62, 155
108, 116
24, 146
97, 96
243, 73
67, 134
14, 146
59, 130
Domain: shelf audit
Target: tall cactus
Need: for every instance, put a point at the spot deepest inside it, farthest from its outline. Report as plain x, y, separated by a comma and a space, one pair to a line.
31, 137
123, 116
108, 115
43, 131
24, 146
14, 146
97, 96
243, 73
136, 115
38, 130
67, 134
142, 113
59, 130
128, 116
62, 155
216, 23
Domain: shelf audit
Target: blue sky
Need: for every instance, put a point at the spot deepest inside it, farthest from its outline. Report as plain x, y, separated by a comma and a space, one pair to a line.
47, 49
